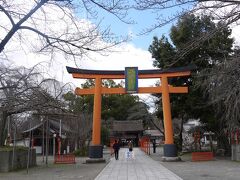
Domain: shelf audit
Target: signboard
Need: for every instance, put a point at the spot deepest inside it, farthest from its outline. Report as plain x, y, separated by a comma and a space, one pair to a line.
131, 79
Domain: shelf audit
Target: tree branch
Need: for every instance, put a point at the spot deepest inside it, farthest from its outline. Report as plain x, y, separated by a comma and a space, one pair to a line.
16, 26
7, 14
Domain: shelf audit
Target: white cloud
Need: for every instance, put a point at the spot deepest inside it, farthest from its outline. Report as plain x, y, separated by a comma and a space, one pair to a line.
125, 55
235, 34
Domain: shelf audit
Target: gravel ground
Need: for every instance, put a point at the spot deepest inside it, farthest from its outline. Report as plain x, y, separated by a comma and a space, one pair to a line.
219, 169
52, 171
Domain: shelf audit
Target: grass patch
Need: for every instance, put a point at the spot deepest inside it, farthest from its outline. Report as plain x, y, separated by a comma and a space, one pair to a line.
82, 152
10, 148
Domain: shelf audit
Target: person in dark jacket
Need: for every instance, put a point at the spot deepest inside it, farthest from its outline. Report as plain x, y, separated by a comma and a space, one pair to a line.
154, 146
116, 147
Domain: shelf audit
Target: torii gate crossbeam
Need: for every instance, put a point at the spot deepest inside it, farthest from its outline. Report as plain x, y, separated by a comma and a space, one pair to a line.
95, 150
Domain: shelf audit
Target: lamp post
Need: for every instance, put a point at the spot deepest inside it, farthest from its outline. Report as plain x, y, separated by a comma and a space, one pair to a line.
60, 136
59, 144
54, 146
43, 122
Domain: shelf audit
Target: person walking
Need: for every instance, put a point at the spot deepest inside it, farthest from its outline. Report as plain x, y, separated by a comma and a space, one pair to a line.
116, 147
154, 146
130, 146
129, 153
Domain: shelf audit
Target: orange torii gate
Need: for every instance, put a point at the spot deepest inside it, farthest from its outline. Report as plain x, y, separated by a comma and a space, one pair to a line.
96, 149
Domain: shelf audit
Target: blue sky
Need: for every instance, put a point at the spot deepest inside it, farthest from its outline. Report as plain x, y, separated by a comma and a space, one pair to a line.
142, 20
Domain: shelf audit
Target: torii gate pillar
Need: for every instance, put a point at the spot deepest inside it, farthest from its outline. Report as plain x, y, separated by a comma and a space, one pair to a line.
169, 147
96, 149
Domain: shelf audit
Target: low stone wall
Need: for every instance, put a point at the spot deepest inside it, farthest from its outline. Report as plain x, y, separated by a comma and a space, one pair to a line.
235, 152
8, 162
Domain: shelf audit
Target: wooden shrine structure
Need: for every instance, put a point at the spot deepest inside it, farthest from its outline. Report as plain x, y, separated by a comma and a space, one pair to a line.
131, 76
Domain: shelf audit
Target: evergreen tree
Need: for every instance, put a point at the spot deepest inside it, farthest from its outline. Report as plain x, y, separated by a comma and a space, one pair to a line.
115, 106
190, 46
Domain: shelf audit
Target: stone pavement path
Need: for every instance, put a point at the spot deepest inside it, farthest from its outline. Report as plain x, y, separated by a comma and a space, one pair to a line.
138, 167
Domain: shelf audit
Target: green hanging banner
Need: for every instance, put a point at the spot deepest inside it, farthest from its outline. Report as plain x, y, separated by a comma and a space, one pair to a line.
131, 79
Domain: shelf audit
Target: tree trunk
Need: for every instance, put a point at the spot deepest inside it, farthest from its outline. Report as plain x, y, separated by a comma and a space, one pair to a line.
163, 132
180, 135
223, 143
3, 127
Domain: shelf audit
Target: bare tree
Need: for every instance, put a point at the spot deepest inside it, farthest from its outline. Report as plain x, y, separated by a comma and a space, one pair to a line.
223, 84
223, 10
83, 126
55, 27
25, 90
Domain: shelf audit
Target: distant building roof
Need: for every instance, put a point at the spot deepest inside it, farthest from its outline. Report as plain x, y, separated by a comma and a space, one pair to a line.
191, 123
127, 126
153, 132
35, 123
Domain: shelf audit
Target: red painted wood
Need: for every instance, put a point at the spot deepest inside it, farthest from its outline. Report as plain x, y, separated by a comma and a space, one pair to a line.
202, 156
64, 159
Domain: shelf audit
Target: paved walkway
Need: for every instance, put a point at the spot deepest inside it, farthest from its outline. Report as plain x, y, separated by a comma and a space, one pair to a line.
138, 167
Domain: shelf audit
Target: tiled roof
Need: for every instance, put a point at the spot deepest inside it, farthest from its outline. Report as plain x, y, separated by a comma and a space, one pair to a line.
153, 132
149, 71
133, 125
35, 122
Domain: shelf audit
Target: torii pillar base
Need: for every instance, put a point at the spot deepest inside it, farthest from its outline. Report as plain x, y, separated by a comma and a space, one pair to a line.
170, 153
95, 154
171, 159
95, 160
95, 151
